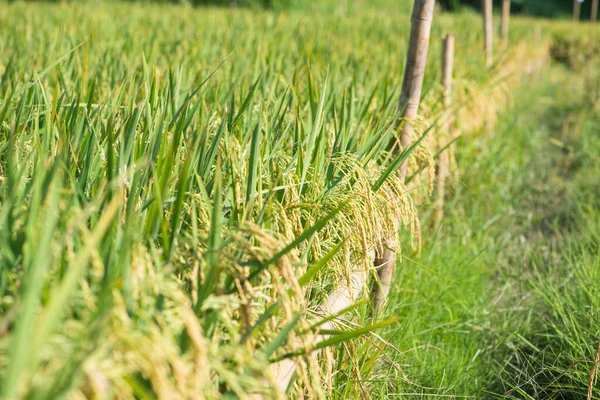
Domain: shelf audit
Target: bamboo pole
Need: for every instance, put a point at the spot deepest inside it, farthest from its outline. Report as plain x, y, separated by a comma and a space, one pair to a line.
591, 78
414, 72
486, 6
410, 99
385, 262
576, 10
447, 72
593, 20
505, 20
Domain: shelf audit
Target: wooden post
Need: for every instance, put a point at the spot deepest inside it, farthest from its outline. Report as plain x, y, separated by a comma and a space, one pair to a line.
446, 122
447, 72
505, 20
576, 10
385, 262
488, 30
414, 72
593, 20
591, 49
410, 99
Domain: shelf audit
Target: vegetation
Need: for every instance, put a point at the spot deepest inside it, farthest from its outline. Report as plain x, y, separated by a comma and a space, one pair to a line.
539, 8
182, 188
499, 305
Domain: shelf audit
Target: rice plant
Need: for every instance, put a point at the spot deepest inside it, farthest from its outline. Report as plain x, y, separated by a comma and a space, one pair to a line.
180, 189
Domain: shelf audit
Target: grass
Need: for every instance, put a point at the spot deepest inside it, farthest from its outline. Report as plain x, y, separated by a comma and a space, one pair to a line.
558, 356
501, 303
181, 188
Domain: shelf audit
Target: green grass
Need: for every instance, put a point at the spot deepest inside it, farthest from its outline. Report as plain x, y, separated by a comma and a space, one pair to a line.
502, 301
556, 355
181, 188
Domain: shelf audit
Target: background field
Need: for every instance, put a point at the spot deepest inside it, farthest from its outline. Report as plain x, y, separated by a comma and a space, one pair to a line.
180, 188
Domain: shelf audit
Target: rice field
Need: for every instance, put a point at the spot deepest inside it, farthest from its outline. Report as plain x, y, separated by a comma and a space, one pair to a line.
183, 189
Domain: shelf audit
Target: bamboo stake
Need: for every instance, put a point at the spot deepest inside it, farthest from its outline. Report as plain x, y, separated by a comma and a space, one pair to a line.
591, 84
505, 20
410, 99
486, 6
447, 71
576, 10
414, 72
593, 20
386, 264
